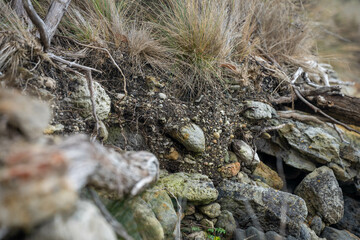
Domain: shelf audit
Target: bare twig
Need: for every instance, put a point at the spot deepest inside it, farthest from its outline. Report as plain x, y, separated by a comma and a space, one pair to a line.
339, 133
342, 82
308, 81
72, 64
118, 227
38, 22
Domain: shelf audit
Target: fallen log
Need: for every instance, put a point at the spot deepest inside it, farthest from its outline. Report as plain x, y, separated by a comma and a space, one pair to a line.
343, 108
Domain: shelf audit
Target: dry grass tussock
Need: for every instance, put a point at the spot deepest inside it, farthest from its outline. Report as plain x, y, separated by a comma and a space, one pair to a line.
191, 39
111, 24
205, 34
16, 44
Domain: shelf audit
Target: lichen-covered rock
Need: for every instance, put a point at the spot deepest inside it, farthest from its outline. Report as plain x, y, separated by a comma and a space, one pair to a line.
322, 194
245, 154
342, 173
191, 136
314, 142
266, 203
227, 222
267, 175
194, 187
86, 223
81, 98
148, 225
162, 206
258, 110
317, 225
307, 233
212, 210
334, 234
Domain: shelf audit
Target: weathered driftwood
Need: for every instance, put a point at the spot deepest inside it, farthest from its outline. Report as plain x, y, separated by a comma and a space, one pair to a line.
48, 27
55, 13
344, 108
306, 93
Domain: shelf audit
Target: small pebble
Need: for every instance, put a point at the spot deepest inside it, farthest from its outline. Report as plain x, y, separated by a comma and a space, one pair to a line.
162, 96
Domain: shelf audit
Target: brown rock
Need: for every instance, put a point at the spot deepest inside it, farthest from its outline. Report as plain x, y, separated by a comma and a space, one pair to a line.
230, 170
269, 176
173, 155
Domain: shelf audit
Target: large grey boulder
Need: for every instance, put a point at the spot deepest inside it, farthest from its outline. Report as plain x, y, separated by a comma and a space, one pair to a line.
86, 223
194, 187
322, 194
191, 136
81, 99
266, 205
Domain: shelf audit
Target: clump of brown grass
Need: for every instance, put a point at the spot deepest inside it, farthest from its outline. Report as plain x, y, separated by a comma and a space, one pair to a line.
202, 35
16, 42
110, 24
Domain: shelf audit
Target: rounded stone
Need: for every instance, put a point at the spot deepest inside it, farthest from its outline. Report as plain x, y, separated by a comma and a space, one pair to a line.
191, 136
194, 187
226, 221
212, 210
